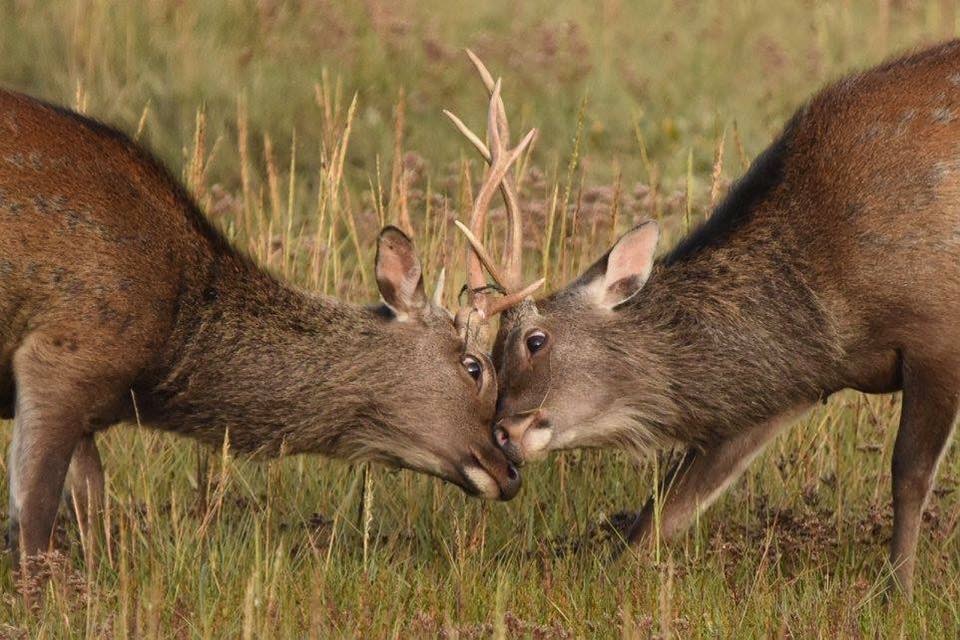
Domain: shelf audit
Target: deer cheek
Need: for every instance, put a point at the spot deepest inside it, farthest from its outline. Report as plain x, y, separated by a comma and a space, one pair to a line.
487, 401
536, 443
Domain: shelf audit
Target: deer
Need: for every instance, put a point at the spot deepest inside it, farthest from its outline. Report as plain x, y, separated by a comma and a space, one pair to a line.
121, 302
833, 263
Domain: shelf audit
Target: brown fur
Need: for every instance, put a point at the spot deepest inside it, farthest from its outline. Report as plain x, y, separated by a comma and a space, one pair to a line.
118, 299
834, 263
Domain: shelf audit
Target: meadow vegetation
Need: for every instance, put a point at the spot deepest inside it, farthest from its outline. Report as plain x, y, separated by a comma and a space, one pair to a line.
301, 128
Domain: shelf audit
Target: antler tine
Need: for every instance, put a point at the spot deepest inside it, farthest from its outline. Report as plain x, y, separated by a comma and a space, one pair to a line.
438, 290
499, 158
498, 143
513, 252
468, 134
513, 246
481, 252
477, 255
489, 83
485, 75
499, 164
478, 216
514, 231
513, 299
495, 176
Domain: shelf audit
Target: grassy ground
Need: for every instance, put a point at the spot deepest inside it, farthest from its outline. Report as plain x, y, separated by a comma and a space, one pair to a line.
301, 129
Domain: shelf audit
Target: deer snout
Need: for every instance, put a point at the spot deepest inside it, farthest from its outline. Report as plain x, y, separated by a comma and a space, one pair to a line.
492, 475
524, 436
511, 483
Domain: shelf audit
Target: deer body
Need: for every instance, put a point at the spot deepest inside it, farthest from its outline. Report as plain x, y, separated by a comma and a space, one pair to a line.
834, 263
120, 302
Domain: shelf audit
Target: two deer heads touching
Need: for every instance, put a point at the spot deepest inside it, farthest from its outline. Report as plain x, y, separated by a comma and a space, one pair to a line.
484, 300
522, 428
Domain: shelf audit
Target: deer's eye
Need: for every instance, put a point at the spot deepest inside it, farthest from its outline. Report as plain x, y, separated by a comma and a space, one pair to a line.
473, 367
535, 341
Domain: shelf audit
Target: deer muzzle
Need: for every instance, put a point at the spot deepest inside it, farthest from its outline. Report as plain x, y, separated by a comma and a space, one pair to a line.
524, 436
492, 476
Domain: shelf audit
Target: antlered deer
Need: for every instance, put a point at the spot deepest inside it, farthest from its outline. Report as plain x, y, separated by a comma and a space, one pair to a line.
119, 300
833, 263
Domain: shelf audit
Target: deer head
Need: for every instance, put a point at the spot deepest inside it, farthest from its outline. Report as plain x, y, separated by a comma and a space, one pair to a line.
443, 396
566, 362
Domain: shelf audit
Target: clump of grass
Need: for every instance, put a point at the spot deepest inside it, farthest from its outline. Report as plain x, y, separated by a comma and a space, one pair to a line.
301, 130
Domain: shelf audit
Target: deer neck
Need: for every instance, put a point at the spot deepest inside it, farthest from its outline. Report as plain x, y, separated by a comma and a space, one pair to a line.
272, 369
739, 336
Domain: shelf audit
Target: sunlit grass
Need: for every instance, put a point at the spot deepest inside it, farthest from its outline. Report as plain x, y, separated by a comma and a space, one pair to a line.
301, 131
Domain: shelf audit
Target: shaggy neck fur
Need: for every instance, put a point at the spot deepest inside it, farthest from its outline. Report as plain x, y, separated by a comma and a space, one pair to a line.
730, 328
271, 367
733, 347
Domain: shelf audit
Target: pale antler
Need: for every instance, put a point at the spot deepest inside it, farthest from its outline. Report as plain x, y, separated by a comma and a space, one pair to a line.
499, 158
513, 247
438, 290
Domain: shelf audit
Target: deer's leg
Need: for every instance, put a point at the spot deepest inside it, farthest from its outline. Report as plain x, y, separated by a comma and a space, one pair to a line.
931, 397
43, 441
85, 488
63, 389
701, 476
13, 505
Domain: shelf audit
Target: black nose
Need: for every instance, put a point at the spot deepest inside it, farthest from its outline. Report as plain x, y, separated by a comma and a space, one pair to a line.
511, 487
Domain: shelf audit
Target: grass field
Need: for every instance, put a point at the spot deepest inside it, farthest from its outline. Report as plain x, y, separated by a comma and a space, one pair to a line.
301, 128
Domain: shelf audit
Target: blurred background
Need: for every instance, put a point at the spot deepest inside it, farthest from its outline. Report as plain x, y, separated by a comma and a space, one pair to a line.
678, 73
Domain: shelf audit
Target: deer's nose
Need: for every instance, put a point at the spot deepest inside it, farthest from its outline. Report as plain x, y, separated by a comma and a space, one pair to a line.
510, 432
513, 427
511, 484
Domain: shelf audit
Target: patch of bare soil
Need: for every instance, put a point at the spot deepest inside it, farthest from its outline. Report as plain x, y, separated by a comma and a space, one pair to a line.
781, 533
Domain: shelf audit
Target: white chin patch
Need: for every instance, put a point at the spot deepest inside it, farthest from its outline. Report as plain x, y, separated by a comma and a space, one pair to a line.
567, 439
535, 441
483, 482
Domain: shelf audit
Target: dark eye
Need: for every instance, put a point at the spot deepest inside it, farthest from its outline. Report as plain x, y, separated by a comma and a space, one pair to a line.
536, 340
473, 367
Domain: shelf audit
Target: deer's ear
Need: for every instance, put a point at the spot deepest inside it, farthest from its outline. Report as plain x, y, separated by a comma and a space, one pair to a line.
399, 275
622, 272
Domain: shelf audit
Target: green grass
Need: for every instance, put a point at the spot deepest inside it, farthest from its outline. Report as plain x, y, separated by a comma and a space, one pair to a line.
204, 545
